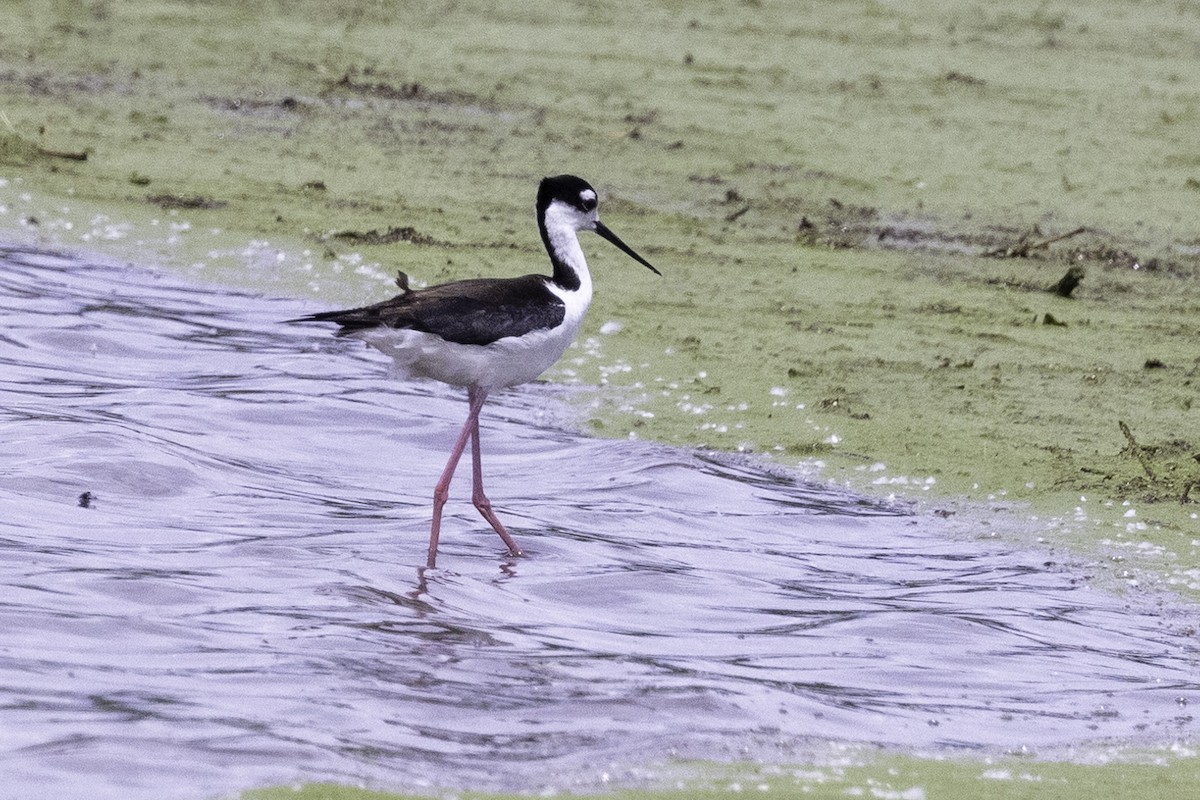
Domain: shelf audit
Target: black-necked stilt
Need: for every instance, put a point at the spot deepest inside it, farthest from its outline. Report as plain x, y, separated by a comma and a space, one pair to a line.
490, 333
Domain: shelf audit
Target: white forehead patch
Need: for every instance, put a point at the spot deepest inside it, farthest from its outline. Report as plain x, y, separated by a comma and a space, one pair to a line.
587, 195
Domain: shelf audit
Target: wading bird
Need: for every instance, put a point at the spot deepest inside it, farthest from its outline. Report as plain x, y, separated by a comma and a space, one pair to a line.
489, 333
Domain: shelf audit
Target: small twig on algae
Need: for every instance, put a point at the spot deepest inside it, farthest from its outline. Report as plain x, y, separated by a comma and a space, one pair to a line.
1137, 450
1024, 245
1053, 239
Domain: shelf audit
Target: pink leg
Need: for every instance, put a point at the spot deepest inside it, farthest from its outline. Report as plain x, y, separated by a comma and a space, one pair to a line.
441, 492
477, 496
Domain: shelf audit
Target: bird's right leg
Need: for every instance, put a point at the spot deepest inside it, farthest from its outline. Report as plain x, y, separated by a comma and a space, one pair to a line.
478, 497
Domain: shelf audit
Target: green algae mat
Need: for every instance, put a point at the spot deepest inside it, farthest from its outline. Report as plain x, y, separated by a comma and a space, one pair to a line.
889, 779
944, 251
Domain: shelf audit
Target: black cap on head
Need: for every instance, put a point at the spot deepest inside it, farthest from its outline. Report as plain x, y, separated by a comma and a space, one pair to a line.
568, 189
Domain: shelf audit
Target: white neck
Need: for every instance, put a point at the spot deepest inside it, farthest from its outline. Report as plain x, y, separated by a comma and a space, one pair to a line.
561, 224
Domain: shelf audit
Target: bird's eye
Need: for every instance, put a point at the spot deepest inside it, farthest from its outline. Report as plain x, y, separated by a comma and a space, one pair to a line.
587, 201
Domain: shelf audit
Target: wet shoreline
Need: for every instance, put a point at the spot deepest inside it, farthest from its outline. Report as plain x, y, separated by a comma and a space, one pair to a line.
256, 502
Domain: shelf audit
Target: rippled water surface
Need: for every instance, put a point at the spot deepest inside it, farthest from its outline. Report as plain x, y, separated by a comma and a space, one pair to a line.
241, 602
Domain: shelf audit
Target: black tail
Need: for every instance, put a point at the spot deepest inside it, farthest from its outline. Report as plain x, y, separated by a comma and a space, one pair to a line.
324, 316
348, 319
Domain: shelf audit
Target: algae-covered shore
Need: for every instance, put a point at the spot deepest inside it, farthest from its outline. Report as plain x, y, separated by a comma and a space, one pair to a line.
861, 211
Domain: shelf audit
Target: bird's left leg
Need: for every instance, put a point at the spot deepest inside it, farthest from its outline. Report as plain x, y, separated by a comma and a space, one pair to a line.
442, 491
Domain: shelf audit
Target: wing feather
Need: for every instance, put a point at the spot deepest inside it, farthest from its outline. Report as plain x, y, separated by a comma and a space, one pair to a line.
478, 311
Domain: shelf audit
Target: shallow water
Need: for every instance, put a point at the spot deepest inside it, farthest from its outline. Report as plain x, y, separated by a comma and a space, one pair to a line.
241, 600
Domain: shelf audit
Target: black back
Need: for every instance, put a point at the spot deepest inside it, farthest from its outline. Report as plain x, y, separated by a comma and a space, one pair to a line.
481, 310
477, 311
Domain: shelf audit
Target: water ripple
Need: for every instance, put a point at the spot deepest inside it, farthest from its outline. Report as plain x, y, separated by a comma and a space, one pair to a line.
238, 600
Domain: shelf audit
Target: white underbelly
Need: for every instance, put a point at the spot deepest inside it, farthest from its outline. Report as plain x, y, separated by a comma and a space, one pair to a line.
505, 362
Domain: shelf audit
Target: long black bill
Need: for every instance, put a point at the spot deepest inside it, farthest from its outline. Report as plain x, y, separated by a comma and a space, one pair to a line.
603, 230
